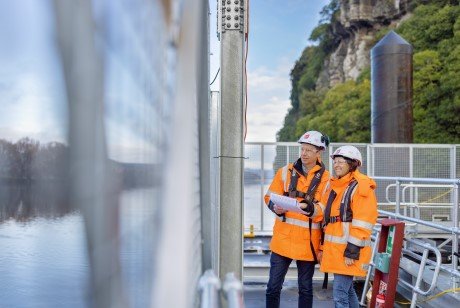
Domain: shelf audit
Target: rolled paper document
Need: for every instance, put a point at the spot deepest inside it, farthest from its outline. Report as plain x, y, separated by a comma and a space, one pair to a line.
286, 203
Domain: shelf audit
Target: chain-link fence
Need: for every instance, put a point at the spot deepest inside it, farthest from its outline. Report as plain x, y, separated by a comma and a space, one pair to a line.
432, 202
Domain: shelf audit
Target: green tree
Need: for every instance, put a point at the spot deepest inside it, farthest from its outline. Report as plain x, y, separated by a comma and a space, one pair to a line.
435, 35
344, 114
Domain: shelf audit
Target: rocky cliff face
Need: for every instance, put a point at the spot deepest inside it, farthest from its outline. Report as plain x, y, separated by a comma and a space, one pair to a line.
355, 30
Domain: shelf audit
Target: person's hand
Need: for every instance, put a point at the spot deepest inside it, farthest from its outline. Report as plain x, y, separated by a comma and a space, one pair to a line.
320, 256
278, 210
349, 261
307, 206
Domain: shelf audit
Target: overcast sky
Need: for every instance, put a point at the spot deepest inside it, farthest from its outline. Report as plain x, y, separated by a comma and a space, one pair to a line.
278, 32
31, 87
32, 100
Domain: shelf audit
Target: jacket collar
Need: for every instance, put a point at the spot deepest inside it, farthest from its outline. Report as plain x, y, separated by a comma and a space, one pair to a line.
298, 166
344, 180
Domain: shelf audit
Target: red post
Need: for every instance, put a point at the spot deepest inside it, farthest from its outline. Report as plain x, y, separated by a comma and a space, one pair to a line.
386, 277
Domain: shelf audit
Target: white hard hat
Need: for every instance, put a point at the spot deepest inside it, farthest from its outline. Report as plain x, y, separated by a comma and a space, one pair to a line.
315, 138
350, 152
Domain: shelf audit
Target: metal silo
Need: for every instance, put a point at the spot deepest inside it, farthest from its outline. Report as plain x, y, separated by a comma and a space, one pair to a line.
391, 105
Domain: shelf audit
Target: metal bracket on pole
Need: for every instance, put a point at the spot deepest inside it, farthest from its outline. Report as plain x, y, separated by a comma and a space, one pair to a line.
231, 15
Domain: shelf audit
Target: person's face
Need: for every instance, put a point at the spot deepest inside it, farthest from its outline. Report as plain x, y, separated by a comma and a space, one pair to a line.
309, 154
341, 166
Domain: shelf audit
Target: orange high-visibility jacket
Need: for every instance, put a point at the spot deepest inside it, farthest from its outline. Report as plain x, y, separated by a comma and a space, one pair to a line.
353, 238
291, 238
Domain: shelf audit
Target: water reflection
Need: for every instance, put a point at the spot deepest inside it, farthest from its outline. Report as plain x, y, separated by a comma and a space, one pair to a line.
26, 201
33, 179
46, 260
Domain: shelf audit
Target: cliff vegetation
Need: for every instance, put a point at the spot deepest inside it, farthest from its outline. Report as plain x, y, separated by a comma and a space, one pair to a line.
331, 80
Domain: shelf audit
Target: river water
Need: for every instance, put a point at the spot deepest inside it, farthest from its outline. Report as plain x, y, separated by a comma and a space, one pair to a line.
43, 252
43, 255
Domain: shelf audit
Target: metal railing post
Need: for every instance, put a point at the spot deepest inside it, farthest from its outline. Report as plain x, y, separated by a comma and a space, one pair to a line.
233, 291
397, 197
419, 278
287, 154
423, 261
453, 167
262, 202
411, 174
455, 236
330, 165
370, 172
209, 285
369, 271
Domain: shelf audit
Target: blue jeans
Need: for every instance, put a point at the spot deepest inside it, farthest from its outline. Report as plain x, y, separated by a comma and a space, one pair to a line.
279, 266
343, 292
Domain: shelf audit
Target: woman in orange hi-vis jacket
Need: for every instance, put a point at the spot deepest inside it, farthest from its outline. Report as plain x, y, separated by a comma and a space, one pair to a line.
349, 217
297, 236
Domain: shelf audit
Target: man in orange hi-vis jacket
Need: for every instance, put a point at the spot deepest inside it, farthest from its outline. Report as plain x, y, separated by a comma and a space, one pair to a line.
297, 236
350, 214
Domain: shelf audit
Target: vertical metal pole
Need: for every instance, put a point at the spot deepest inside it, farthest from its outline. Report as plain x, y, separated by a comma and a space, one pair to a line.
373, 160
397, 199
411, 172
204, 110
453, 166
209, 286
419, 278
368, 154
454, 235
411, 162
369, 271
287, 155
454, 215
215, 136
233, 291
330, 165
262, 201
231, 179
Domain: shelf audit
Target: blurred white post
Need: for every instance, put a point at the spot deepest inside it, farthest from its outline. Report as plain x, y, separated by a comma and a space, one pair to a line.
89, 173
179, 263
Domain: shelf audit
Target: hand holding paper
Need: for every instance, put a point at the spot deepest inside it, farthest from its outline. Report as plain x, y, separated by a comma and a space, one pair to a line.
288, 204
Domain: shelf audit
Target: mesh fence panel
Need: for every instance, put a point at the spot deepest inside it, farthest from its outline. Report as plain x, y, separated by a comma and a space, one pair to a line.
432, 163
457, 162
428, 201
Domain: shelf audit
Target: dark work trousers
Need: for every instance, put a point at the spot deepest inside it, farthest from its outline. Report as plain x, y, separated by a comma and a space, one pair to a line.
279, 266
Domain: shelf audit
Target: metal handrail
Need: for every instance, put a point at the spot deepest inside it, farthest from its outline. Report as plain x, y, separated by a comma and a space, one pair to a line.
416, 288
424, 260
371, 266
411, 185
209, 286
421, 180
233, 291
452, 230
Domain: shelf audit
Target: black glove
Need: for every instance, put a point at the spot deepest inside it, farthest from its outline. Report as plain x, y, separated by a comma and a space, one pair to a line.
308, 206
352, 251
270, 207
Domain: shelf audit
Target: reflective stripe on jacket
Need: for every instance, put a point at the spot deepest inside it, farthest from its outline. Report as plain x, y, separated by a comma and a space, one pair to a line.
339, 235
291, 233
